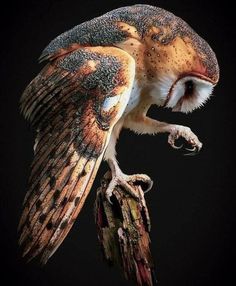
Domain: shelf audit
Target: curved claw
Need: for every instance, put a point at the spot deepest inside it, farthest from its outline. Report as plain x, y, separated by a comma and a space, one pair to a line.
109, 200
192, 149
109, 190
143, 178
149, 187
191, 154
108, 197
176, 147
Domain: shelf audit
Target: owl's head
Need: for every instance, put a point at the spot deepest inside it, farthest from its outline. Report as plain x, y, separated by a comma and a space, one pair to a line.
184, 65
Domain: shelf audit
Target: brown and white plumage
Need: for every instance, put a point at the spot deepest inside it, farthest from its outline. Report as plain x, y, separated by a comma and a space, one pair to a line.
74, 115
101, 76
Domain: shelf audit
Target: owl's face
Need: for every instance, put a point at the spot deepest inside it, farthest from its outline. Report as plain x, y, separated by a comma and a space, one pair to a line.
184, 71
186, 93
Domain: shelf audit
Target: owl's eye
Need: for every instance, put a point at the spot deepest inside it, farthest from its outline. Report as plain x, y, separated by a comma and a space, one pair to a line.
189, 88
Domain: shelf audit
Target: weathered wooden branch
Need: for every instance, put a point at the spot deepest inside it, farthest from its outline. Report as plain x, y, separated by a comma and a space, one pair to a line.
123, 232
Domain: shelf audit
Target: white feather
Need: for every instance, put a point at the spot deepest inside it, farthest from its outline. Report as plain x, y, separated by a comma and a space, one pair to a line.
110, 102
160, 89
134, 97
202, 92
169, 86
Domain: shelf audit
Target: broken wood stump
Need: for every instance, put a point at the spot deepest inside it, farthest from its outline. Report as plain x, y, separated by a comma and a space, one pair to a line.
123, 232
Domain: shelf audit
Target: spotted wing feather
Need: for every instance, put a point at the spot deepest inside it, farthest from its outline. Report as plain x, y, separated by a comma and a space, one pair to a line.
73, 103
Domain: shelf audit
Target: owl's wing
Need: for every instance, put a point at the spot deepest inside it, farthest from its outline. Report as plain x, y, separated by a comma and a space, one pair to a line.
73, 103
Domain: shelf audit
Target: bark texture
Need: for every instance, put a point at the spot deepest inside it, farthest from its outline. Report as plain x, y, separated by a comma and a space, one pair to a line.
123, 232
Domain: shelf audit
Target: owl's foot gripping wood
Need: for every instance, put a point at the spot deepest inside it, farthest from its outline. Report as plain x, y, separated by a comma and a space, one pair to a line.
123, 180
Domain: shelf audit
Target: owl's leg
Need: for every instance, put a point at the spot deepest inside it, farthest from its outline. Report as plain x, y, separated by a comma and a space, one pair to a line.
145, 125
118, 177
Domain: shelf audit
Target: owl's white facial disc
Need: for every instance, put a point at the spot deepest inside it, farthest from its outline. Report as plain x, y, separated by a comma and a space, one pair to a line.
188, 93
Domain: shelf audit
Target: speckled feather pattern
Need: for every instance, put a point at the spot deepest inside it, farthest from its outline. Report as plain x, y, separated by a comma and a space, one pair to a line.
65, 104
105, 31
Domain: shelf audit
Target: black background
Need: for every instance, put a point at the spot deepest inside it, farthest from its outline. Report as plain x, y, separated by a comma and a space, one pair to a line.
191, 204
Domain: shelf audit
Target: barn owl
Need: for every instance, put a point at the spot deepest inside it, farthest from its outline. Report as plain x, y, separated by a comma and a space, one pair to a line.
102, 76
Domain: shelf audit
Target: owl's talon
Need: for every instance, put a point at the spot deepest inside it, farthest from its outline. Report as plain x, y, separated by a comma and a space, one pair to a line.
143, 178
108, 194
177, 147
186, 133
149, 187
190, 154
123, 180
194, 149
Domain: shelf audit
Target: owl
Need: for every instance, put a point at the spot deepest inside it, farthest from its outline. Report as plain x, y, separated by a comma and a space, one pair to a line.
99, 77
